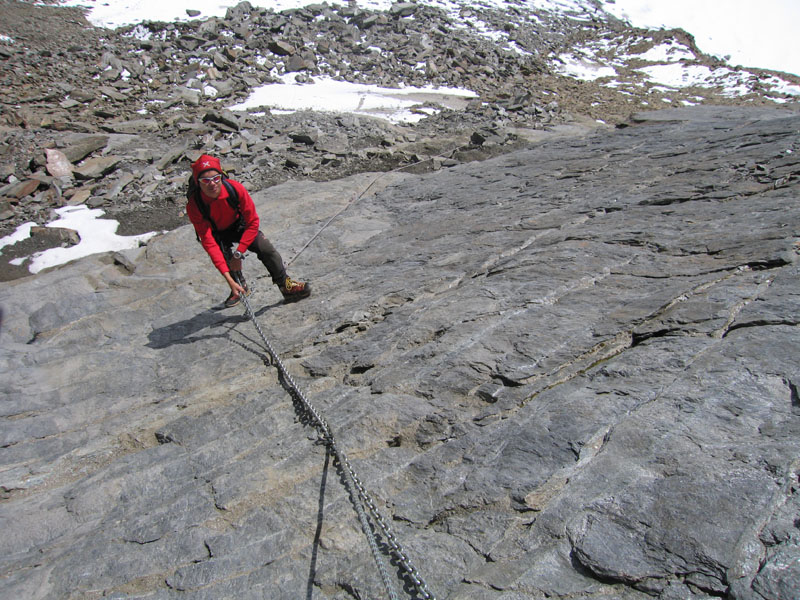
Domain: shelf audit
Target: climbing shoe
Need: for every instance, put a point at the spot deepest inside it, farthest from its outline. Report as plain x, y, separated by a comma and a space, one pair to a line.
294, 290
235, 298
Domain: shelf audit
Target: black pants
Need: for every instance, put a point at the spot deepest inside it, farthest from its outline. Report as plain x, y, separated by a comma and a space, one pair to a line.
262, 248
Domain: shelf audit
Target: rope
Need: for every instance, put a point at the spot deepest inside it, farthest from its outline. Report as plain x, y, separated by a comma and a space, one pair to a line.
328, 222
364, 191
358, 494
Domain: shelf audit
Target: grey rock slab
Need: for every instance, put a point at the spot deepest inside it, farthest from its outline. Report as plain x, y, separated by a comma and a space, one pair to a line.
79, 149
94, 168
134, 126
567, 371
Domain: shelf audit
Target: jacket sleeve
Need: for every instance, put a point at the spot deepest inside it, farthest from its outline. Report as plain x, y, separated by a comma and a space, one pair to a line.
250, 216
206, 235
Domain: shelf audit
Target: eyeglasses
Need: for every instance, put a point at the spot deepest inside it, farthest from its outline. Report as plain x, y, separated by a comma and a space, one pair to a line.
210, 180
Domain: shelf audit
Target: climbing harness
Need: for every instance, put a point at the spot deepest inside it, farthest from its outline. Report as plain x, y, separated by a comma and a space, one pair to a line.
358, 493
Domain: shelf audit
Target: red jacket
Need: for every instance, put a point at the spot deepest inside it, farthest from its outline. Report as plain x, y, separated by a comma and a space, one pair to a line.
224, 216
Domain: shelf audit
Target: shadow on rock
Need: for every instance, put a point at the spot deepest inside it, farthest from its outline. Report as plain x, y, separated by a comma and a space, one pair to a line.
183, 332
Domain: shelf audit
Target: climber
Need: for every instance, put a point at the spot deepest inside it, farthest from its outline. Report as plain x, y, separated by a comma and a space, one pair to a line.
227, 225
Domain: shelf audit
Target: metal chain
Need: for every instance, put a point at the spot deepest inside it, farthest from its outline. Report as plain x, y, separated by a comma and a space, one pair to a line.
397, 549
358, 493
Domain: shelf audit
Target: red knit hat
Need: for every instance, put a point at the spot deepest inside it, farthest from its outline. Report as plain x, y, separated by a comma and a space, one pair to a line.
205, 163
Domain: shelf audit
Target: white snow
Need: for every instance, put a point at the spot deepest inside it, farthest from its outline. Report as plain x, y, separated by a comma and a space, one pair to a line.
749, 33
97, 235
340, 96
582, 68
668, 51
22, 232
752, 33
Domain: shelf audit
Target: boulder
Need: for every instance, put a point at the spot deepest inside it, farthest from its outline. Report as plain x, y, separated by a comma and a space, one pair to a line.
402, 9
223, 117
132, 127
6, 209
55, 236
112, 93
190, 97
281, 48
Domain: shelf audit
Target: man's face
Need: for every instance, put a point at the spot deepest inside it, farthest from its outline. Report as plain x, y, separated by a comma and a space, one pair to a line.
210, 183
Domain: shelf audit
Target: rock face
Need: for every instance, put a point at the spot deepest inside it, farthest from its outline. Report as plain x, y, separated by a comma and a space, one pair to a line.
568, 372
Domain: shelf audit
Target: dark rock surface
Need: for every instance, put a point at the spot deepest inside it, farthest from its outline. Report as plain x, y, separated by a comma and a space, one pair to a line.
569, 371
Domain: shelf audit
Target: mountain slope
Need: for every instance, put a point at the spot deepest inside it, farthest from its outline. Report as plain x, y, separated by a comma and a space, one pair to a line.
567, 371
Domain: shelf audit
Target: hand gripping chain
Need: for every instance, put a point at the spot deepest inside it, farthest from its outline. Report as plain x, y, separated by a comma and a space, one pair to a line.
358, 494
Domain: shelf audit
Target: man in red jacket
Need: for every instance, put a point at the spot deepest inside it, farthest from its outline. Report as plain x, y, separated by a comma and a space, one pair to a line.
225, 219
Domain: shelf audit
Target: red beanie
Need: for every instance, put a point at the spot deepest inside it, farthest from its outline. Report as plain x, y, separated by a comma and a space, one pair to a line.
205, 163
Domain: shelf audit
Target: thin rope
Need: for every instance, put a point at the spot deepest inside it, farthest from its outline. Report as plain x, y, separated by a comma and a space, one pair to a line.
361, 195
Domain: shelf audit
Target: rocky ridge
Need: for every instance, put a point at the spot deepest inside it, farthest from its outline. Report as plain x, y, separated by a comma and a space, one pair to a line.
111, 118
